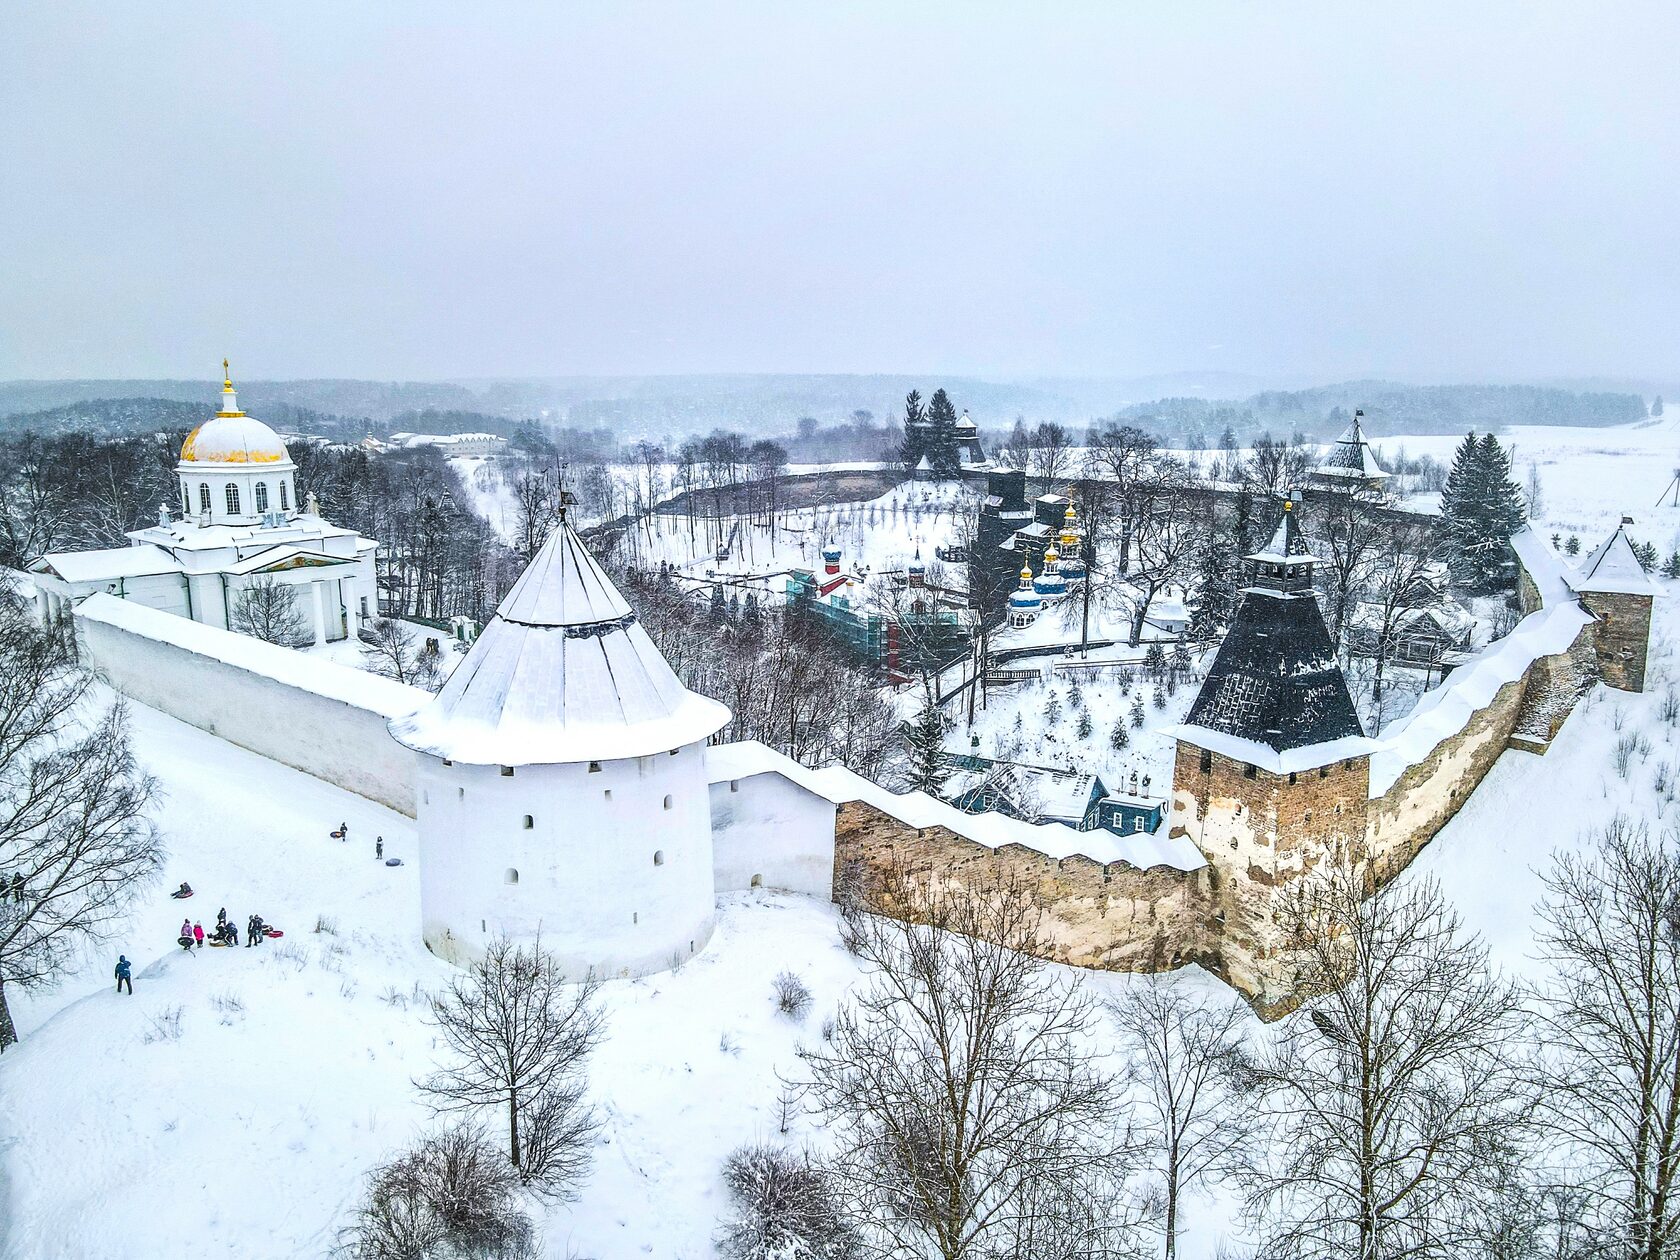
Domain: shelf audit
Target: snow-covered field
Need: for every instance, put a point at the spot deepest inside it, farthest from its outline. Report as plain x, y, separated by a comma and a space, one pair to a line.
291, 1072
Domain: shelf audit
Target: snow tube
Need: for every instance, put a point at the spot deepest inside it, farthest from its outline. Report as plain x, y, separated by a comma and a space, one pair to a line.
185, 942
336, 835
393, 861
216, 944
273, 933
178, 895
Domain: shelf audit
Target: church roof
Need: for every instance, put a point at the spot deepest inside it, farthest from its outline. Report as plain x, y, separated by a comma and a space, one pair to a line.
1351, 457
562, 673
1275, 680
107, 564
232, 437
1612, 569
1287, 545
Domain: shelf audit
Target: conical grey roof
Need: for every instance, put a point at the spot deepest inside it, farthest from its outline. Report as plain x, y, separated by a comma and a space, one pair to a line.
563, 673
1612, 569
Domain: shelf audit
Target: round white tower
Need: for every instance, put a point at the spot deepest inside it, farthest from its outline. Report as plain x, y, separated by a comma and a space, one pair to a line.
560, 789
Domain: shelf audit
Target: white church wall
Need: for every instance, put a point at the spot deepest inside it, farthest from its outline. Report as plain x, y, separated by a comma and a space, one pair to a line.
612, 877
769, 832
324, 719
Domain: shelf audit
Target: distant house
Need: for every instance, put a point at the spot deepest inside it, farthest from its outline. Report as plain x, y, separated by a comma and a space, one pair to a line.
1042, 794
470, 444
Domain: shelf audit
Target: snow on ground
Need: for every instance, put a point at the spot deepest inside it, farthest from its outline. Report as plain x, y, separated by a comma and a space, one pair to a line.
292, 1071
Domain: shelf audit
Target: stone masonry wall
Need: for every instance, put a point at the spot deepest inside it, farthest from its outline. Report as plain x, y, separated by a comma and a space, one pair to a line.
1113, 918
1624, 634
1260, 832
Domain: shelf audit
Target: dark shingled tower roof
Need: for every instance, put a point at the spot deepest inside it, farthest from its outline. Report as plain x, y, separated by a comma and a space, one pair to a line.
1275, 679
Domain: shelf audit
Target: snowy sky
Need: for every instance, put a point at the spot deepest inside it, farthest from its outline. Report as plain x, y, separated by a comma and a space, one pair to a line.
1444, 191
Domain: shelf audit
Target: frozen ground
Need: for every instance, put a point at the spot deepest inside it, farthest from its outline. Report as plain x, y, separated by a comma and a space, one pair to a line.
291, 1072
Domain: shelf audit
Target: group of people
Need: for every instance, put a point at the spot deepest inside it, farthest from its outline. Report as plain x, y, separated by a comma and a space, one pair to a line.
193, 936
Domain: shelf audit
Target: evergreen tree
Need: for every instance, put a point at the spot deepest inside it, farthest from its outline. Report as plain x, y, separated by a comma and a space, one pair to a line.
1181, 662
1155, 661
1137, 712
1084, 728
924, 743
1646, 554
1481, 508
1159, 699
1573, 545
1052, 710
1671, 570
915, 433
1657, 406
1118, 739
1243, 523
1076, 697
717, 608
1125, 682
1213, 586
942, 436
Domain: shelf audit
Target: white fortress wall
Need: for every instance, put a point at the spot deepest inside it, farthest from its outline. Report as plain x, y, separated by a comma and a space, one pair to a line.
768, 831
316, 716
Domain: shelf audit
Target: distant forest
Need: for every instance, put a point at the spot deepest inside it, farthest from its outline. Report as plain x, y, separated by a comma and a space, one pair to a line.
808, 419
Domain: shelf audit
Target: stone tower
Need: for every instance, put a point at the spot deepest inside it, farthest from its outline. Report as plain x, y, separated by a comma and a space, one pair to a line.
1272, 768
560, 788
1614, 587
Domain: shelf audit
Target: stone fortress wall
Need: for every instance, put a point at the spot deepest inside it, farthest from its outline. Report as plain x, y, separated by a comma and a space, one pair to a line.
1260, 832
1210, 894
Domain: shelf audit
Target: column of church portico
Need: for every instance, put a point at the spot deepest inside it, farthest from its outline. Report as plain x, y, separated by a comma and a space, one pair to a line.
320, 613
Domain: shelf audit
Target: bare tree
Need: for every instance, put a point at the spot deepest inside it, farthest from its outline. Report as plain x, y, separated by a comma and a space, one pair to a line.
1393, 1110
1182, 1048
391, 652
1349, 539
968, 1115
1165, 530
1610, 1017
1051, 451
75, 841
268, 610
1275, 467
521, 1035
1396, 588
451, 1197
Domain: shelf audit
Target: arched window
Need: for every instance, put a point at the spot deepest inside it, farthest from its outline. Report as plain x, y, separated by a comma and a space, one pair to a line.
261, 496
667, 802
284, 506
186, 498
232, 498
659, 857
203, 496
512, 876
758, 881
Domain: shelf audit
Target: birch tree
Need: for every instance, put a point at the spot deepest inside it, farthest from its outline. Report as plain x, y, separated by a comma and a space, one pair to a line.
1393, 1110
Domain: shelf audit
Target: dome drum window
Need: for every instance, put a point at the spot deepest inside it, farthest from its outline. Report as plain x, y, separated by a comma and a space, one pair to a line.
260, 497
232, 499
203, 496
284, 506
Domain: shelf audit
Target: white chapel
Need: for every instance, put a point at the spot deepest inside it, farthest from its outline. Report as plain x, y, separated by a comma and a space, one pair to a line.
236, 523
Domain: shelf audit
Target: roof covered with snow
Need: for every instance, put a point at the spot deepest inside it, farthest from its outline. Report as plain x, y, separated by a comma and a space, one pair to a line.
1275, 681
1351, 457
1612, 569
1446, 710
108, 564
562, 673
1287, 546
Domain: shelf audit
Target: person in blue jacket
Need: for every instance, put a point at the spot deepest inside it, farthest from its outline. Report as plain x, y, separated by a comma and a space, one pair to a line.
123, 980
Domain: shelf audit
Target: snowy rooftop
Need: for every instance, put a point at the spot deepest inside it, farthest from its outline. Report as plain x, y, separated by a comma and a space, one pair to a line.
1287, 546
562, 673
1612, 569
107, 564
1351, 457
918, 809
1446, 710
188, 535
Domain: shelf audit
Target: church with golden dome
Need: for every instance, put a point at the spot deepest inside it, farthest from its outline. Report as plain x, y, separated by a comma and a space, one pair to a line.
235, 532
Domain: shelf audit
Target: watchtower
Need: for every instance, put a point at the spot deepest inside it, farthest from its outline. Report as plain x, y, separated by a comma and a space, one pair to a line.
1272, 769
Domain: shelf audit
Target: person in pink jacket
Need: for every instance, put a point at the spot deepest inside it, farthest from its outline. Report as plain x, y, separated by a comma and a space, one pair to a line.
198, 935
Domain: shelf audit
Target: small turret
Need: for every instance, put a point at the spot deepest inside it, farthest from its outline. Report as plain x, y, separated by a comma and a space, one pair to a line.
1283, 564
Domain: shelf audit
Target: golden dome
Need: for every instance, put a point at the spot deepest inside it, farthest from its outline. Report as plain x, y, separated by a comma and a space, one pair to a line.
234, 439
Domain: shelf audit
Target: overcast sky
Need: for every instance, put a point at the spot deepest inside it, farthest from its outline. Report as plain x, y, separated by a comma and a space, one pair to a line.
408, 191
